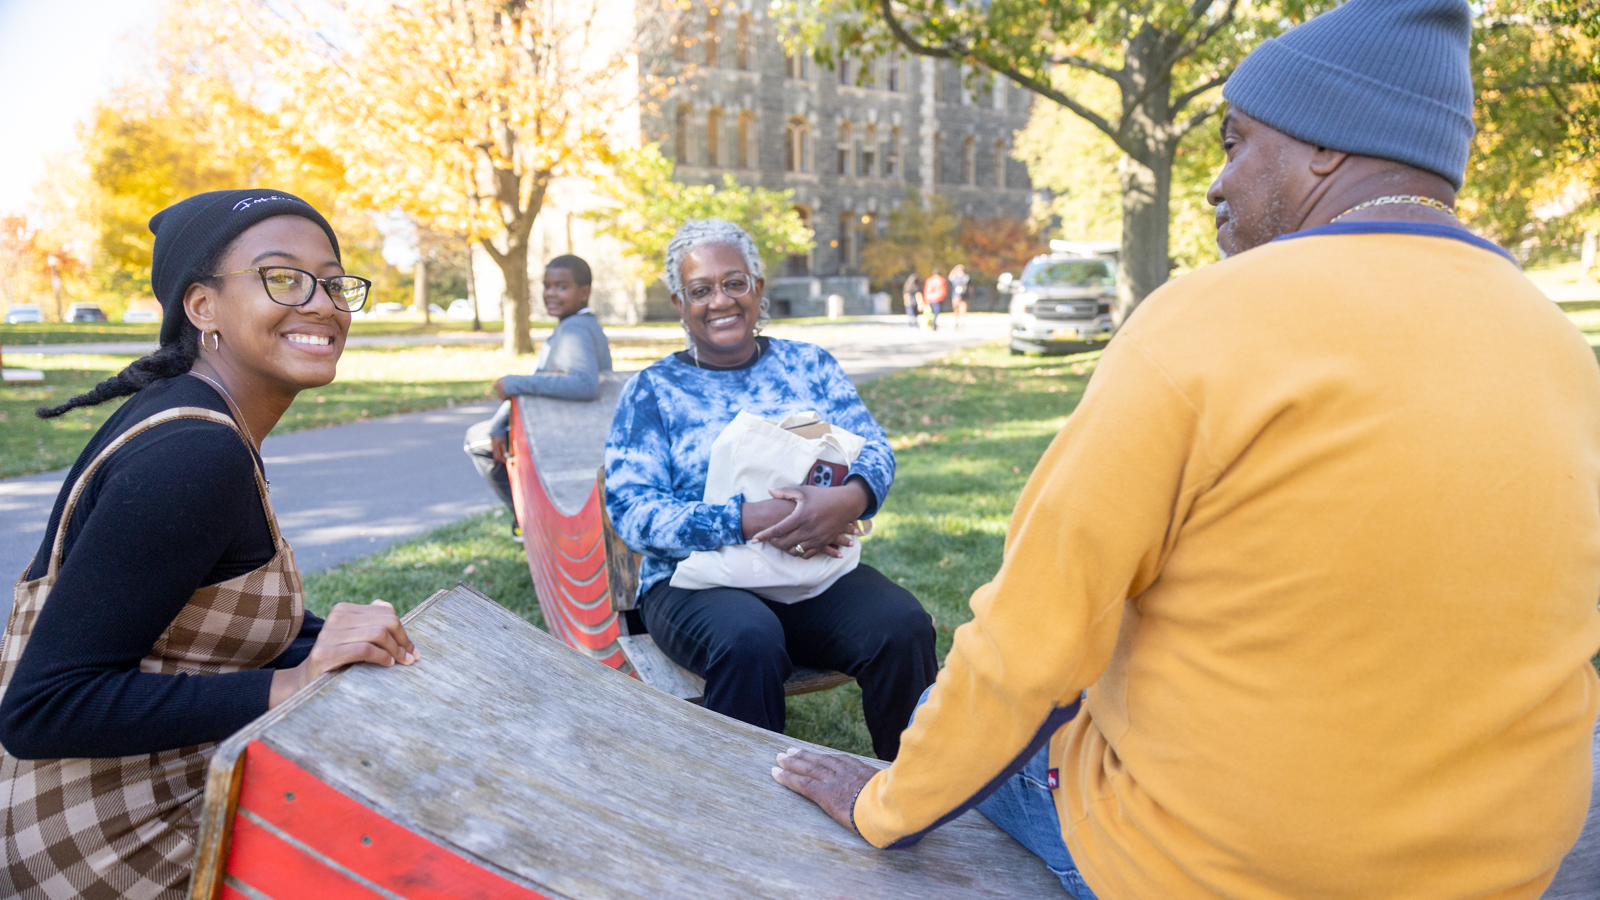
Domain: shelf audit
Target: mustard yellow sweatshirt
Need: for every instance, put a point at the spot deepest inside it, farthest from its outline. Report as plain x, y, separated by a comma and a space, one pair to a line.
1322, 541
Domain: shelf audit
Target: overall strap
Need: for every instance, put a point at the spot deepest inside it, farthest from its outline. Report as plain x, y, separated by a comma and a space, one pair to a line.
166, 415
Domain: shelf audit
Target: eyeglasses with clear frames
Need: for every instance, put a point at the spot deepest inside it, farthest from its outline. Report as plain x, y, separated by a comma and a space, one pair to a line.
734, 286
294, 287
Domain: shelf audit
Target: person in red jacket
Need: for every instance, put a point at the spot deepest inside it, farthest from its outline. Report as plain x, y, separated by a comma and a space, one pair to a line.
933, 293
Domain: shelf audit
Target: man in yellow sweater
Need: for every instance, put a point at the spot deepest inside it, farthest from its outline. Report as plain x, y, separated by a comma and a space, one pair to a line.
1322, 540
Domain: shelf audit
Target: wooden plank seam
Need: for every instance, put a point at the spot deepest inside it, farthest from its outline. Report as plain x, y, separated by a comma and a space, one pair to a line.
346, 835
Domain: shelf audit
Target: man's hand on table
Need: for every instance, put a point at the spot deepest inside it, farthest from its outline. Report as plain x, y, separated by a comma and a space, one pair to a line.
498, 389
829, 780
500, 445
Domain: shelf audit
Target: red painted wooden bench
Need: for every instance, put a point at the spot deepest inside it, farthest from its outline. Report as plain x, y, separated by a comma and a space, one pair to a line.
585, 575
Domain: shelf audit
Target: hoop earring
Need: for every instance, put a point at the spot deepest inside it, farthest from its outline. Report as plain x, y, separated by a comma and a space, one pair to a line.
216, 339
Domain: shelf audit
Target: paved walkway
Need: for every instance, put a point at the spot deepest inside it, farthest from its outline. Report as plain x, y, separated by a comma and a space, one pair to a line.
345, 491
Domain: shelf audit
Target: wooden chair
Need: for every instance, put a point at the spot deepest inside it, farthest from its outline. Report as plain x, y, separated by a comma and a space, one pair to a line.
587, 578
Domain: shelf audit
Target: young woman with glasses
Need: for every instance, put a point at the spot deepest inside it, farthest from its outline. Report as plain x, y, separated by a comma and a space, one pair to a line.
175, 613
656, 460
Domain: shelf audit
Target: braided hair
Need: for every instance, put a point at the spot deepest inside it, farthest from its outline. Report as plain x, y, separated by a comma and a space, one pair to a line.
172, 359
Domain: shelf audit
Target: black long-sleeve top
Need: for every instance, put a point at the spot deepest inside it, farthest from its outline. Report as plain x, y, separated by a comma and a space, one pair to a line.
172, 511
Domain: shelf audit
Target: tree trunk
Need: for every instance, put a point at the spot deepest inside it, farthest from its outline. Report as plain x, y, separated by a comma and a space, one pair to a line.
514, 266
419, 288
513, 261
472, 290
1146, 205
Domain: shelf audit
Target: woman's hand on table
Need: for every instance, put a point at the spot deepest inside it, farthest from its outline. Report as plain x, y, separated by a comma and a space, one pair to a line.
352, 633
823, 519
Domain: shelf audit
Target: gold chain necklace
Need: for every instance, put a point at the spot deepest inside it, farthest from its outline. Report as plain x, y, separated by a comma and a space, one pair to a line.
1412, 199
233, 404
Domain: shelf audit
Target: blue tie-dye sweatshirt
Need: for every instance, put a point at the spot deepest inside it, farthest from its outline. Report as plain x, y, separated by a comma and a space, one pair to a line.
667, 418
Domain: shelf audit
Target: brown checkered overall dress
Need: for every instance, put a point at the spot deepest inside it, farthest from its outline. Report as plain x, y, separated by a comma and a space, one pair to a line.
125, 827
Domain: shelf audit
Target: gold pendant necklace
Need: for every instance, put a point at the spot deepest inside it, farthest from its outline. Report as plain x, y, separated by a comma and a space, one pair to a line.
233, 406
1411, 199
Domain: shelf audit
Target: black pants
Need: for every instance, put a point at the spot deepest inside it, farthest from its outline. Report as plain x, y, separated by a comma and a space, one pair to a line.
744, 647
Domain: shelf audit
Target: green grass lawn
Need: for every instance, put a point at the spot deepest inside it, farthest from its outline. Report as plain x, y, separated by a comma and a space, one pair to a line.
967, 431
372, 382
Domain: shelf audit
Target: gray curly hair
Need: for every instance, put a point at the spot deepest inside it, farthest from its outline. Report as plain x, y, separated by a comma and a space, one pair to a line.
696, 233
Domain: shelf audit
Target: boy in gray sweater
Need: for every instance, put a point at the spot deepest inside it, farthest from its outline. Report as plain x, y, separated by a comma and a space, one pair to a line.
569, 368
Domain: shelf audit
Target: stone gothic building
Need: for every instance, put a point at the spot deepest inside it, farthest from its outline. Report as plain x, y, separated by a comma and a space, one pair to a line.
848, 141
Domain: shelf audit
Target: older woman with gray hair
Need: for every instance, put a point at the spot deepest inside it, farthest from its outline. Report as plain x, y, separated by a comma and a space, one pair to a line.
656, 460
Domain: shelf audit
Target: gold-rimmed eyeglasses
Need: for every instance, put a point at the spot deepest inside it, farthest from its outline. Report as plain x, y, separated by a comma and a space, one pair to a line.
294, 287
735, 286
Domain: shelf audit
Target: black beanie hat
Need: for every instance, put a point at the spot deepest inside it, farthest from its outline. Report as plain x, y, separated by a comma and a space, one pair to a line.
190, 232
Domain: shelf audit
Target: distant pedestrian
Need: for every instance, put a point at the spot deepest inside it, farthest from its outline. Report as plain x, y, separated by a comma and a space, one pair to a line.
569, 368
958, 293
934, 292
912, 294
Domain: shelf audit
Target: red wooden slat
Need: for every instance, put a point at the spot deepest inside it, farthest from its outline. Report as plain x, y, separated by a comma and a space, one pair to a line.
359, 838
566, 557
265, 862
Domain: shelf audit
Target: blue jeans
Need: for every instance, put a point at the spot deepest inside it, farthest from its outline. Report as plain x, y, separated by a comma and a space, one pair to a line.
1025, 808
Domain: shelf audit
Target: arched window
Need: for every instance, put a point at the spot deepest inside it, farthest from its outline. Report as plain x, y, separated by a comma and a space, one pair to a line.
998, 92
680, 136
745, 153
711, 36
891, 75
844, 148
1000, 164
891, 159
869, 153
741, 44
797, 145
713, 153
868, 76
969, 161
800, 263
938, 80
938, 160
844, 69
847, 240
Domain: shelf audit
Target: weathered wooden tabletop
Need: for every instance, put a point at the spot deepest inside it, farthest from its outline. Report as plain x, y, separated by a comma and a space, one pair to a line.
504, 745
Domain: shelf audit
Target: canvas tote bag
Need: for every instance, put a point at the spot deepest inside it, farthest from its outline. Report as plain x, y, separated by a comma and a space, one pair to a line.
751, 456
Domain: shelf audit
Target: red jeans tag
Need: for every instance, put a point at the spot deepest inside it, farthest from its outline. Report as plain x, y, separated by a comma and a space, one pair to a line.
1052, 779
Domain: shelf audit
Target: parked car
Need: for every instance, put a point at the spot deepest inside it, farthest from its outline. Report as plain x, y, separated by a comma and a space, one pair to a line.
146, 310
460, 309
389, 309
19, 313
85, 312
1062, 302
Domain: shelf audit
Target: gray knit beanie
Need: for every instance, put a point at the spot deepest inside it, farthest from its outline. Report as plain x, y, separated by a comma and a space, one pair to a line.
1384, 78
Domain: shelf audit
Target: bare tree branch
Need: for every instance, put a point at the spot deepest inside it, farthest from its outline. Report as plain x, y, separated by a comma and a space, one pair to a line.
1187, 48
1078, 62
1196, 120
1043, 89
1188, 97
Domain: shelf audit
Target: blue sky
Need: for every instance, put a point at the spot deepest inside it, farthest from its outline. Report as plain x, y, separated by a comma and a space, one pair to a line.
57, 57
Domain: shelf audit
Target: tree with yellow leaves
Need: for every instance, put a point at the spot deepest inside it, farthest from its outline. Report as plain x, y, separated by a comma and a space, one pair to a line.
460, 113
